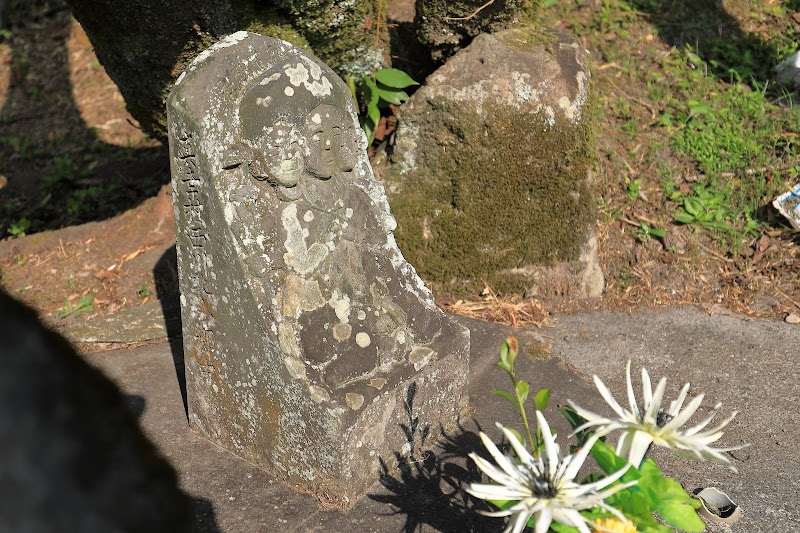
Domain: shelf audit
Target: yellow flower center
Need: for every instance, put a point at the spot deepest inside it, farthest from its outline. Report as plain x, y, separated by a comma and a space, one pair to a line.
615, 524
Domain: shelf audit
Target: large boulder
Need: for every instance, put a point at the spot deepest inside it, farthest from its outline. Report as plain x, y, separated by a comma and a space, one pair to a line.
490, 175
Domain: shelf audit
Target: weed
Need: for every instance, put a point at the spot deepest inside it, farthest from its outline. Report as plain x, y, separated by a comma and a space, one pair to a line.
20, 227
144, 292
384, 87
645, 232
22, 148
84, 305
19, 260
633, 188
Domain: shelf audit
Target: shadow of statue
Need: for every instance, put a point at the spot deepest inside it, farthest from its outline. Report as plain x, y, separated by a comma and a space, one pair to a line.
728, 50
427, 483
165, 274
55, 169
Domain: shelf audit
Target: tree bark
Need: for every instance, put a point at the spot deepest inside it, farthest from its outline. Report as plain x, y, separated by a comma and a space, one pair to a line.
145, 45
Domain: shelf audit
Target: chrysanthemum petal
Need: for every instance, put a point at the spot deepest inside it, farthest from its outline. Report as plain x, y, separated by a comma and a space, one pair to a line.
631, 395
676, 404
655, 402
647, 389
608, 397
543, 520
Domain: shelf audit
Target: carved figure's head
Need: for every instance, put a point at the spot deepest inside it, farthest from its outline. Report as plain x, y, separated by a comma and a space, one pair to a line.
296, 124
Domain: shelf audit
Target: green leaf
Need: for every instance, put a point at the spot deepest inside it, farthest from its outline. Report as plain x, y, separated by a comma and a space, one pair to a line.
540, 399
522, 391
575, 420
391, 95
374, 114
658, 232
506, 395
669, 499
85, 301
698, 109
392, 77
693, 206
606, 459
683, 217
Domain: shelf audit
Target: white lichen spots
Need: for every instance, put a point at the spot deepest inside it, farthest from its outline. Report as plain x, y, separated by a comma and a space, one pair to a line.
288, 91
340, 305
316, 119
361, 314
354, 401
295, 367
523, 89
362, 339
341, 332
400, 337
377, 383
298, 256
420, 356
214, 386
308, 216
318, 394
348, 212
260, 241
265, 101
268, 80
573, 109
309, 77
230, 40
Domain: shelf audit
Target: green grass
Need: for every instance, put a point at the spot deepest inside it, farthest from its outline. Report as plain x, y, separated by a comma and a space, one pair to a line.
694, 84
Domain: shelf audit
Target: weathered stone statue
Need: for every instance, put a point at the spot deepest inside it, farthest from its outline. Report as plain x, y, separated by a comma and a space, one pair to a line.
304, 328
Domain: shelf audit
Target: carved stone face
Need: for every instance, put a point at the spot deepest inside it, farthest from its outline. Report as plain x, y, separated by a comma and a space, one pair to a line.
296, 125
332, 147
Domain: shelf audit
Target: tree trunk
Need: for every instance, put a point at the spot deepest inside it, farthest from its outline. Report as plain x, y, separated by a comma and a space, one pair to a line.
145, 45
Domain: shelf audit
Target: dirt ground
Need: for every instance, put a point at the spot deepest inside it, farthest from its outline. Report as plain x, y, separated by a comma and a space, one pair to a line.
91, 192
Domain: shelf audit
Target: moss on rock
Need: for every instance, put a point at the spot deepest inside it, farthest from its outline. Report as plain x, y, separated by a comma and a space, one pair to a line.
478, 209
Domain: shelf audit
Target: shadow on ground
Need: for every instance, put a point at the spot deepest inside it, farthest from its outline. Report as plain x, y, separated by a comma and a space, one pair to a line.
55, 170
428, 486
716, 36
165, 274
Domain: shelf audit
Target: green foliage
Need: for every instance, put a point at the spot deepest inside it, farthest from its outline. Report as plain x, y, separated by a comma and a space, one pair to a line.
646, 231
144, 292
521, 389
84, 305
653, 492
20, 227
384, 87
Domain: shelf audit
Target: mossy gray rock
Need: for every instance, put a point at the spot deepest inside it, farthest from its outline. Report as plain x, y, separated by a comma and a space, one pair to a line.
445, 26
490, 176
145, 45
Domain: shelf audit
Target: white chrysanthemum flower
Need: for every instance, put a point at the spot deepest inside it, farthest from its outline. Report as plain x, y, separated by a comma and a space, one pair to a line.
649, 424
544, 486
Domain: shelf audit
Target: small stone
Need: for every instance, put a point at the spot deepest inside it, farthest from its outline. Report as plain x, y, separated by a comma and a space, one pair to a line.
792, 318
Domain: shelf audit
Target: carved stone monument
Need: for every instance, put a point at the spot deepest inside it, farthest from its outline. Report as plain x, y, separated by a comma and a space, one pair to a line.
305, 331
